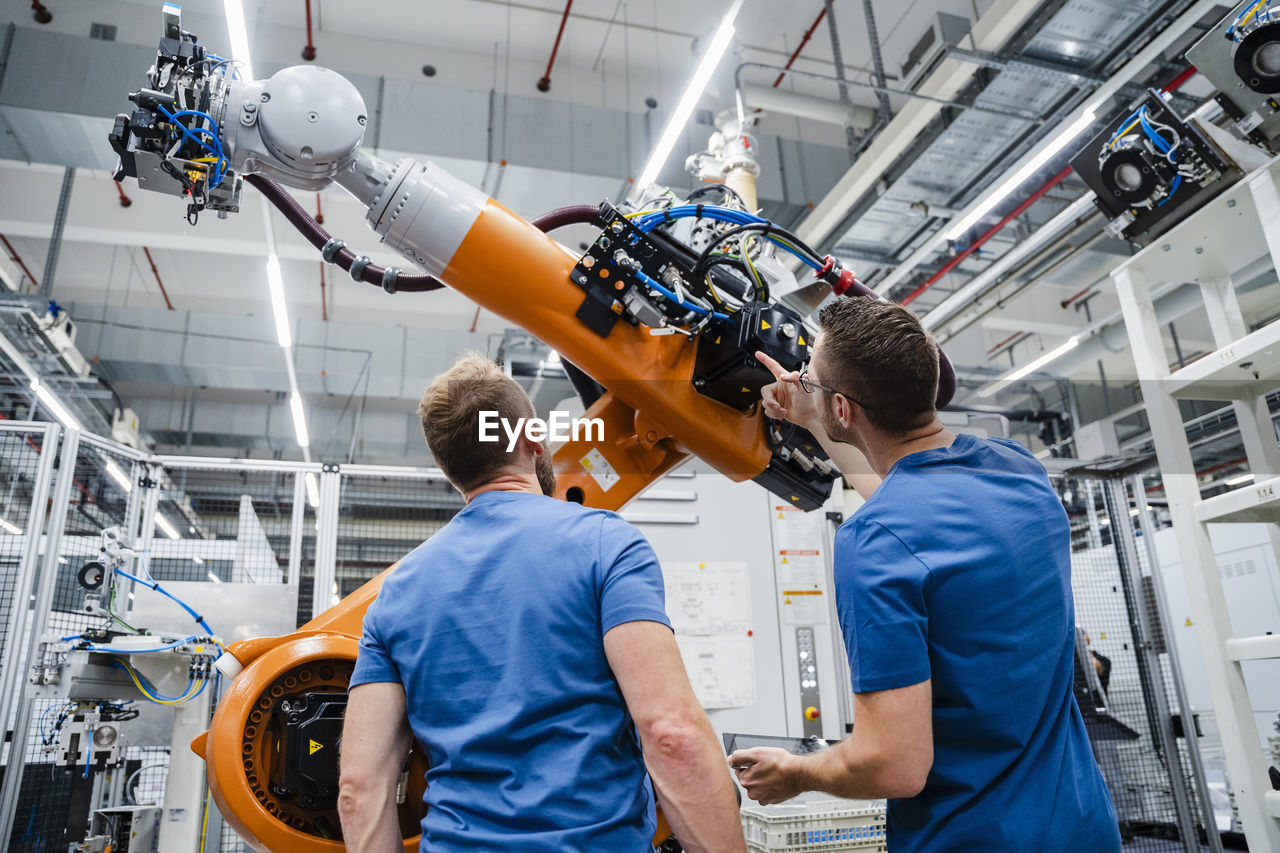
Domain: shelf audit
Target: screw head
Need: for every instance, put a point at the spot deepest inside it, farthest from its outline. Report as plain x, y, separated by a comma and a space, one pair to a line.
266, 96
1199, 250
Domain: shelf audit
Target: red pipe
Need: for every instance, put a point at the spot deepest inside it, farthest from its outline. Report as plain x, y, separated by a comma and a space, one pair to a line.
324, 306
40, 13
125, 201
1067, 302
544, 85
309, 52
156, 273
475, 319
1176, 83
1201, 473
1007, 340
995, 229
803, 41
13, 256
319, 212
1173, 85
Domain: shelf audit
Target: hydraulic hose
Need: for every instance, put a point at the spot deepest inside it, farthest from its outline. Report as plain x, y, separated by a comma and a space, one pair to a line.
574, 214
413, 282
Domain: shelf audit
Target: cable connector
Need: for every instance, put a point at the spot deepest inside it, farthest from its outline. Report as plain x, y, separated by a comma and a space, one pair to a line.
835, 275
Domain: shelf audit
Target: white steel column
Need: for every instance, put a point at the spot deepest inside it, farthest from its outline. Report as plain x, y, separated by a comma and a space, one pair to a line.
59, 507
1265, 187
295, 528
19, 607
326, 540
1231, 701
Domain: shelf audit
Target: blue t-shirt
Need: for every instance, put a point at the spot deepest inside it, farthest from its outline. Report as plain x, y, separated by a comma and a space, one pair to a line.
958, 569
494, 626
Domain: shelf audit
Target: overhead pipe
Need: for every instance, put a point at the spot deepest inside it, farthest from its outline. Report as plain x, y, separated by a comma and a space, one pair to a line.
839, 113
40, 13
544, 84
795, 54
864, 173
156, 273
125, 201
1172, 86
993, 231
309, 52
324, 303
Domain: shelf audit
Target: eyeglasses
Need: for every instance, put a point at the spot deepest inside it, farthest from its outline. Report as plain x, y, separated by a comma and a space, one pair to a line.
810, 386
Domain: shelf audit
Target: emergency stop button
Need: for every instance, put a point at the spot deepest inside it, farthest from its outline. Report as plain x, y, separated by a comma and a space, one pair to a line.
812, 713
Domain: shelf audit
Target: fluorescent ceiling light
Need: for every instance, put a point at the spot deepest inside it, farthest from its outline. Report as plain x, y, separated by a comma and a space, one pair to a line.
239, 36
199, 561
1241, 480
275, 284
116, 474
313, 490
299, 420
10, 527
168, 529
55, 406
213, 577
1020, 177
701, 76
1072, 343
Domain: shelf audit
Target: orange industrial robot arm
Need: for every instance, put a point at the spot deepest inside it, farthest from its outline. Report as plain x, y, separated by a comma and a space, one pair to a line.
665, 320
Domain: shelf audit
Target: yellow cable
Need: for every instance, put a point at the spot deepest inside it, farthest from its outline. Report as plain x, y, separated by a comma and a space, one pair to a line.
1253, 11
204, 159
204, 831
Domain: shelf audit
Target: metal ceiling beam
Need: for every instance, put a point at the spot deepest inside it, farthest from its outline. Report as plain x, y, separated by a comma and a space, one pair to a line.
1001, 22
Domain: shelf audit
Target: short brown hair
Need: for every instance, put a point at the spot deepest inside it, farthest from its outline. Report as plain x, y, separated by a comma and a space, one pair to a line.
880, 354
450, 412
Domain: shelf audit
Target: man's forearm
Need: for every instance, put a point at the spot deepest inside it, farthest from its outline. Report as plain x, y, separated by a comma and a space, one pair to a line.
369, 823
695, 788
849, 771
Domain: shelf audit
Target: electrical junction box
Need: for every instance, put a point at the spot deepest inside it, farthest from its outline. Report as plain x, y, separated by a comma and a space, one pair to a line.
1241, 58
944, 32
1097, 440
124, 829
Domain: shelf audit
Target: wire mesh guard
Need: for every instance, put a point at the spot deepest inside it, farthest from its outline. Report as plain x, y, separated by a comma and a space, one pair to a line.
54, 800
20, 452
815, 823
1119, 689
381, 518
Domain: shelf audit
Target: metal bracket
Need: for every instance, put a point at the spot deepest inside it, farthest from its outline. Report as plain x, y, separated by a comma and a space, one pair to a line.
145, 482
330, 467
1034, 67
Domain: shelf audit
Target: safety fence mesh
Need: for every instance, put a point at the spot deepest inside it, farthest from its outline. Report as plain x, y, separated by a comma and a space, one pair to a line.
1120, 689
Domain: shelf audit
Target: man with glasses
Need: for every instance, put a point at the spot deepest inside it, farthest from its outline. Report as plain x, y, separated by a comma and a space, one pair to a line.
953, 587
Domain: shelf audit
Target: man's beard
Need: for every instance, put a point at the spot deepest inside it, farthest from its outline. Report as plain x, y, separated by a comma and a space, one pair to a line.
545, 469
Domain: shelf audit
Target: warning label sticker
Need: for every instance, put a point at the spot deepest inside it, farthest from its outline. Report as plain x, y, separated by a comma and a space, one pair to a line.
601, 471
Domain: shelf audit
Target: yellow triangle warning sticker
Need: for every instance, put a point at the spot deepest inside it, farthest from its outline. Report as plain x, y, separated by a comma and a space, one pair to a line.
746, 390
315, 746
764, 324
802, 343
787, 600
1188, 623
785, 560
717, 339
780, 515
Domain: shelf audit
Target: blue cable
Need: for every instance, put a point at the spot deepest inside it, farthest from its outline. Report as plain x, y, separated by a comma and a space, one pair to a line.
88, 754
167, 647
649, 282
196, 616
650, 221
190, 132
1177, 182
